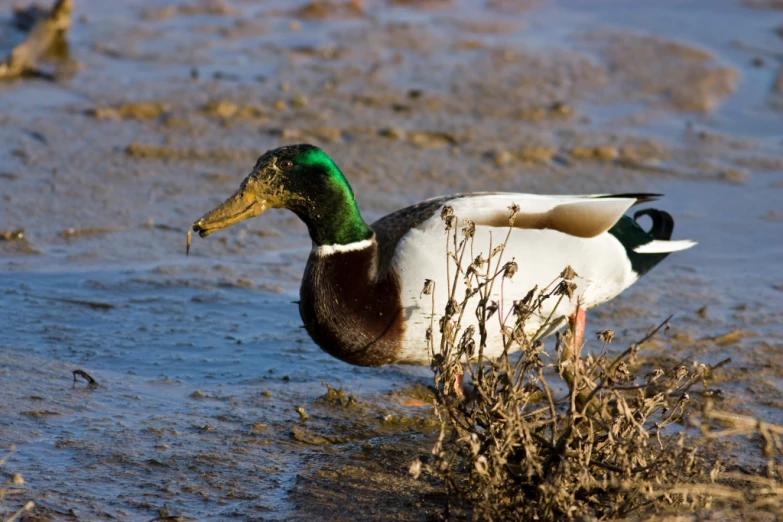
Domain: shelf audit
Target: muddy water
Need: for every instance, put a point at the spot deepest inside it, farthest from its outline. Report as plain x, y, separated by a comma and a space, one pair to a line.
201, 361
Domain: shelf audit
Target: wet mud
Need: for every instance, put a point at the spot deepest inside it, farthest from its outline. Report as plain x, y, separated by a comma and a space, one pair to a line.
210, 402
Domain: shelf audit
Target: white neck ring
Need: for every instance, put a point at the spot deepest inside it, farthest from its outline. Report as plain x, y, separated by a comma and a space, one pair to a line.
328, 250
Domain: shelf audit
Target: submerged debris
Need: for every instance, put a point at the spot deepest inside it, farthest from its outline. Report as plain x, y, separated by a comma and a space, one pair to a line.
92, 383
336, 397
46, 37
204, 7
229, 110
145, 151
95, 305
321, 9
12, 235
130, 111
308, 436
69, 233
302, 413
40, 414
164, 514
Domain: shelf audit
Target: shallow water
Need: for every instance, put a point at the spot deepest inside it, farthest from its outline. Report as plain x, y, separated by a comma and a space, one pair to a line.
183, 348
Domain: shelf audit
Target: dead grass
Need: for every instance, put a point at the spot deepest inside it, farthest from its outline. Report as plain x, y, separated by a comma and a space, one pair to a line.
575, 436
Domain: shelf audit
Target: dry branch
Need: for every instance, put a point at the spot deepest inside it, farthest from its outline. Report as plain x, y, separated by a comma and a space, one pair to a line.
613, 445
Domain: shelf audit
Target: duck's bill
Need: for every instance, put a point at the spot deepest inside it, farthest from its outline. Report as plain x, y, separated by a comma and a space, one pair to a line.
239, 207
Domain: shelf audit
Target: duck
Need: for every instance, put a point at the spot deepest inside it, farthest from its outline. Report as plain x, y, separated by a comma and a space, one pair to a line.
361, 296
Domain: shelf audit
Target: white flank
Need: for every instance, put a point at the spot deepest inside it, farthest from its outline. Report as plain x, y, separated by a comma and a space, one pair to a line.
601, 262
664, 247
328, 250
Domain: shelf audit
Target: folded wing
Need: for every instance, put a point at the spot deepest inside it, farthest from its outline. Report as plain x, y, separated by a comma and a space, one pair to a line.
579, 216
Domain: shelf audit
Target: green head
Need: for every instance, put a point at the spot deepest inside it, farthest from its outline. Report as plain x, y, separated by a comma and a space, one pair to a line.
303, 179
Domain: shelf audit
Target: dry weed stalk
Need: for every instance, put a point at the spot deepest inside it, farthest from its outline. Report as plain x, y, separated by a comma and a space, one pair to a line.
568, 437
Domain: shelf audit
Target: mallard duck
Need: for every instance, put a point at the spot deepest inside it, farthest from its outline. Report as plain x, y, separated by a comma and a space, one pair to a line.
361, 296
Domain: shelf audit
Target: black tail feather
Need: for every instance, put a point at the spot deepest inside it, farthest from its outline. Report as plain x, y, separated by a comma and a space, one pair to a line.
640, 197
662, 223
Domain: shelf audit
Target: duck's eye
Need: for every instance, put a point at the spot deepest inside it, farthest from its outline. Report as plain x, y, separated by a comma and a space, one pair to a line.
286, 165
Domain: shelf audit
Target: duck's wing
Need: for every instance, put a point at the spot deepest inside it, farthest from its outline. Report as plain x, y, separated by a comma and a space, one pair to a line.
580, 216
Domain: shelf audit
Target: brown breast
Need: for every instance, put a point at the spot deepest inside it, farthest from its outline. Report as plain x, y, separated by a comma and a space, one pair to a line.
351, 312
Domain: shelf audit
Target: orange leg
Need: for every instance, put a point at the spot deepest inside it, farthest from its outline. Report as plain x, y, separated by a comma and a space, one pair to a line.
577, 323
459, 385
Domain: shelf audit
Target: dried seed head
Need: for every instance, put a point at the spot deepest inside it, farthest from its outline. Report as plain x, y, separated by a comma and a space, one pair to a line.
521, 309
447, 215
519, 335
529, 296
469, 348
680, 372
446, 212
479, 261
471, 271
565, 288
469, 230
446, 326
467, 344
452, 307
514, 208
606, 336
492, 307
510, 269
469, 332
429, 286
568, 273
442, 323
622, 374
437, 361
